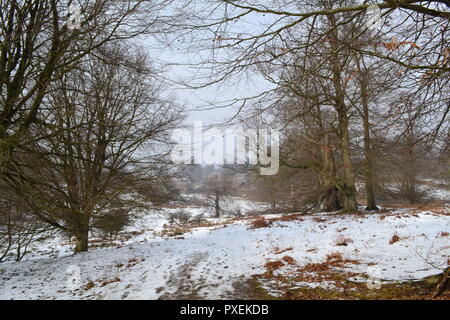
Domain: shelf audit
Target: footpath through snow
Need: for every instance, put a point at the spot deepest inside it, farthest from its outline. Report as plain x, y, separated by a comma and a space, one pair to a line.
209, 262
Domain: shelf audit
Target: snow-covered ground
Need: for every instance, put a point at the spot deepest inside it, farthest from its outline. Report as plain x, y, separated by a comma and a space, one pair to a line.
207, 262
149, 224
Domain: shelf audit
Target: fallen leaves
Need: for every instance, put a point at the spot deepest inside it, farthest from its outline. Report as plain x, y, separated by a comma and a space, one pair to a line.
260, 223
273, 265
89, 285
342, 241
106, 282
278, 250
289, 260
395, 238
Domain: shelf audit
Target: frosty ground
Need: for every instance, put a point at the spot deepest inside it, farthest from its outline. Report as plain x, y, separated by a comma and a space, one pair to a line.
267, 256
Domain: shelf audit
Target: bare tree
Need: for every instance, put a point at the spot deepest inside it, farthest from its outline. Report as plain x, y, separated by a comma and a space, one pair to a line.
332, 32
107, 132
40, 42
18, 228
217, 186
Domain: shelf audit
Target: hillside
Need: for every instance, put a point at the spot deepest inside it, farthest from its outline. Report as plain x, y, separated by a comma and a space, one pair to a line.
270, 256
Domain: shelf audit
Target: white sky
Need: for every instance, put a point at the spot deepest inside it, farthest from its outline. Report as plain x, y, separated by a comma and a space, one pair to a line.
178, 58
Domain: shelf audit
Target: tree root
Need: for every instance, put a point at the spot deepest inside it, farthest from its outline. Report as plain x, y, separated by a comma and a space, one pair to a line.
443, 283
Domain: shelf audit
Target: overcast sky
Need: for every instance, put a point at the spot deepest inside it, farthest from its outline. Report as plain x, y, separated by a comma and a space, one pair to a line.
177, 59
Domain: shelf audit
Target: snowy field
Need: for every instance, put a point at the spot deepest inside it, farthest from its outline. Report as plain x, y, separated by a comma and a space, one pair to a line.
210, 261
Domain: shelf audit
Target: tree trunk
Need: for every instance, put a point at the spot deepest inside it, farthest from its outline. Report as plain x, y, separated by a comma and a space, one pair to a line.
216, 204
82, 235
329, 199
442, 285
273, 200
82, 242
368, 159
411, 176
349, 190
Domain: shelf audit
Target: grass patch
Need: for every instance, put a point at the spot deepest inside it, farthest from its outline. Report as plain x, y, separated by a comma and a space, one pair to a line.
345, 289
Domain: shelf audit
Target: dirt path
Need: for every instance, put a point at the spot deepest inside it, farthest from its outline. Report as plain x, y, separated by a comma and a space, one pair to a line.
181, 285
194, 279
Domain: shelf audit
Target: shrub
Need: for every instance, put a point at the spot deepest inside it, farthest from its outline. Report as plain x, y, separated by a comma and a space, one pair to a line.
198, 219
112, 222
180, 216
